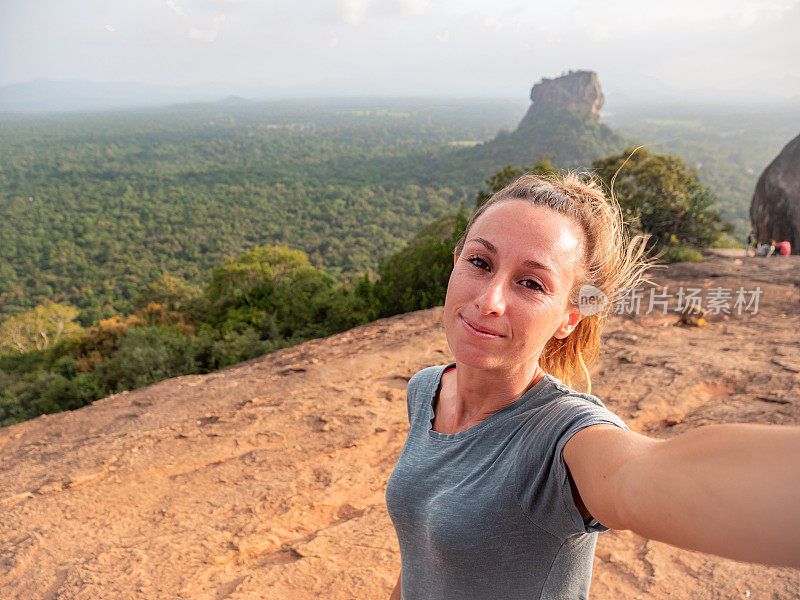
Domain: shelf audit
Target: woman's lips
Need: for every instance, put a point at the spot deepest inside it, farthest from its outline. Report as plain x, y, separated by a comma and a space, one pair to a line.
479, 331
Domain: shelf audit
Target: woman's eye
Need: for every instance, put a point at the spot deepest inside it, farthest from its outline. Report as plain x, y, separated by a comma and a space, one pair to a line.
479, 262
532, 284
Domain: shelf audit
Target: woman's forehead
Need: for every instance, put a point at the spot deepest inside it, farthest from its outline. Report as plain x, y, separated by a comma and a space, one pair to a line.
523, 225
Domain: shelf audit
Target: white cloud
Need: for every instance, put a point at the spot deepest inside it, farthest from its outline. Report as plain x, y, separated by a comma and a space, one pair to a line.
414, 7
175, 8
443, 37
110, 28
354, 12
205, 28
749, 14
208, 35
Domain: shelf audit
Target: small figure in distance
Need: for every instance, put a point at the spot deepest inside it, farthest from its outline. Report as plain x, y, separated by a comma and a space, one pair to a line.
752, 244
773, 248
765, 249
783, 248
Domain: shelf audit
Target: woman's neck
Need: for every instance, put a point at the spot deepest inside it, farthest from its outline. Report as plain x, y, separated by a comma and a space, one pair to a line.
473, 394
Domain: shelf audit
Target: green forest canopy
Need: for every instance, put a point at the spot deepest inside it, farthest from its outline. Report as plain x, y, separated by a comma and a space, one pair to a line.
271, 296
95, 206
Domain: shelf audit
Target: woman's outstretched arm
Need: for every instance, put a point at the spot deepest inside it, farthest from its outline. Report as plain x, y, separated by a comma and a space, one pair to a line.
731, 490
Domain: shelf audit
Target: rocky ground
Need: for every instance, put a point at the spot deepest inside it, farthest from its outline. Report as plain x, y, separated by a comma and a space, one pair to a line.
266, 480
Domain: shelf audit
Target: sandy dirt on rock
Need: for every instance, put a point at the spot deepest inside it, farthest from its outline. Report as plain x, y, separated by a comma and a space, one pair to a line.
266, 480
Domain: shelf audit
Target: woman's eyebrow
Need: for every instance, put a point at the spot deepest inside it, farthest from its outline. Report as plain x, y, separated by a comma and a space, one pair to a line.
535, 264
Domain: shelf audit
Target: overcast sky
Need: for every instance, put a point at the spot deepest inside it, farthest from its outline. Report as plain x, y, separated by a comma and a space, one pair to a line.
726, 49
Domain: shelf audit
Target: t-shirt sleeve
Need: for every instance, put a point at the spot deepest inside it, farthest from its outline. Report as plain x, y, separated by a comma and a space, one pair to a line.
419, 386
543, 488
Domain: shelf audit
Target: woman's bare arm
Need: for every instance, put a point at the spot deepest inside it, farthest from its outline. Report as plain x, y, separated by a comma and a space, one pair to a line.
731, 490
396, 591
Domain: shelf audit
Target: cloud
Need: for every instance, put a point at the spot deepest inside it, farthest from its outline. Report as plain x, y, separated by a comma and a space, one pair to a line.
414, 7
443, 37
354, 12
175, 8
208, 31
208, 35
749, 14
110, 28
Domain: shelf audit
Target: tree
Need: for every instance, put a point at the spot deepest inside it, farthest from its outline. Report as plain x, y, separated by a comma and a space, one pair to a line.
146, 355
46, 392
172, 292
662, 197
39, 328
157, 314
273, 289
510, 173
102, 340
416, 277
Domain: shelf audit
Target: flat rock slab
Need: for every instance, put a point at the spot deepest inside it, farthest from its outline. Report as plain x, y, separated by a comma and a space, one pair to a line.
266, 480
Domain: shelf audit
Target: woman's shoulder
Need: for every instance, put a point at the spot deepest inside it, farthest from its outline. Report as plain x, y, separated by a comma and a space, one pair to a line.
573, 405
429, 376
568, 394
421, 388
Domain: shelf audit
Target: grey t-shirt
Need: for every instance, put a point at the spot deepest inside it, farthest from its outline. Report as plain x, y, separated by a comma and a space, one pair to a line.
488, 512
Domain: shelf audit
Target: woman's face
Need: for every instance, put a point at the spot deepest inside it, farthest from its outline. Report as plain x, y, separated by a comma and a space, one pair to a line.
509, 290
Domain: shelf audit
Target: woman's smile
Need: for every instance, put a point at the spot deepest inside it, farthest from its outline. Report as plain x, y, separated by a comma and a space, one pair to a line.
479, 330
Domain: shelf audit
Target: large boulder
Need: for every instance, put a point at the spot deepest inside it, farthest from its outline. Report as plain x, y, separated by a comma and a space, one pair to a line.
577, 90
775, 209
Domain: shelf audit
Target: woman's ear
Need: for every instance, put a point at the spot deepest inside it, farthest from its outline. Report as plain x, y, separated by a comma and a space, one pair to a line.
569, 323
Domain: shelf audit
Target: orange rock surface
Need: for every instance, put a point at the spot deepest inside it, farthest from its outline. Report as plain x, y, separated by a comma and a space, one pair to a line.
266, 480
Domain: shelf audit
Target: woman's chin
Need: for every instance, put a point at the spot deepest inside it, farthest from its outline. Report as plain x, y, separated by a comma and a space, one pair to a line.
477, 359
473, 353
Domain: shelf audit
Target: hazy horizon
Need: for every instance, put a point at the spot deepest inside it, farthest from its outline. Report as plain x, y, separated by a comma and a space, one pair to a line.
717, 52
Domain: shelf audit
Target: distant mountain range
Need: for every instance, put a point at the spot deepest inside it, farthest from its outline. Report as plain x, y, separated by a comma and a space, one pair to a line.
47, 95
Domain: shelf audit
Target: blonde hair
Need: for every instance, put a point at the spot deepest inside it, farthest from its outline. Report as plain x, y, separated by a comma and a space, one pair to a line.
613, 261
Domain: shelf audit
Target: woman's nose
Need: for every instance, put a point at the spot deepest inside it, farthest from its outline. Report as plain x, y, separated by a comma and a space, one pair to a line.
493, 300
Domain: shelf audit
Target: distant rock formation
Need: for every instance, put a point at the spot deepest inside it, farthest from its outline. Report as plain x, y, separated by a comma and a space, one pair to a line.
577, 90
563, 123
775, 209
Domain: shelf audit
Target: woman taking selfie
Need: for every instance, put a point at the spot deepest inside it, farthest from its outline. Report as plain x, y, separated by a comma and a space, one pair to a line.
508, 474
